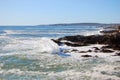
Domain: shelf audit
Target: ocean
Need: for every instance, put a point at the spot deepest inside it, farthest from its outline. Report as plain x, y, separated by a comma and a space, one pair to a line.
28, 53
47, 31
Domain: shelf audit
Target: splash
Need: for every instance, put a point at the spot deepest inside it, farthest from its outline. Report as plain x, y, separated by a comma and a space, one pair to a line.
47, 45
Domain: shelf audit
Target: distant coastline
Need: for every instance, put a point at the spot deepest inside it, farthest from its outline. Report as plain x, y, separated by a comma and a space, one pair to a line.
77, 24
69, 24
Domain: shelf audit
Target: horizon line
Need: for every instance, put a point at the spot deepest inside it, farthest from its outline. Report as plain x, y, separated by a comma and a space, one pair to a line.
59, 24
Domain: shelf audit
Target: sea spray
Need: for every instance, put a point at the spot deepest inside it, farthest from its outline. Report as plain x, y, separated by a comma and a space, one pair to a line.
47, 45
51, 47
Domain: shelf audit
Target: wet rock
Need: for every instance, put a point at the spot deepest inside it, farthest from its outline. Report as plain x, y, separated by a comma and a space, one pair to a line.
106, 47
86, 56
112, 40
117, 68
103, 72
72, 44
57, 41
66, 51
89, 51
74, 50
96, 51
111, 30
96, 48
106, 51
83, 52
117, 54
96, 56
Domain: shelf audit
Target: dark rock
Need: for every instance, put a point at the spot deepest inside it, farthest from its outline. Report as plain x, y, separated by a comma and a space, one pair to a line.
117, 68
96, 51
96, 56
93, 39
86, 56
103, 72
112, 40
106, 51
108, 31
83, 52
118, 61
117, 54
72, 44
74, 50
106, 47
89, 51
66, 51
57, 41
96, 48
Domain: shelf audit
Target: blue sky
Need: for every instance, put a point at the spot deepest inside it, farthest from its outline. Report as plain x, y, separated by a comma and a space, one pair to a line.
35, 12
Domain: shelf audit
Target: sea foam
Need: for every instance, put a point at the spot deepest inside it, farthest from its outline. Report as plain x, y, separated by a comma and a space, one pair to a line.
42, 45
47, 45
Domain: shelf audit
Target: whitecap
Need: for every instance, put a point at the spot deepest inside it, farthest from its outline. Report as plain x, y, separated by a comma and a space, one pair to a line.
42, 45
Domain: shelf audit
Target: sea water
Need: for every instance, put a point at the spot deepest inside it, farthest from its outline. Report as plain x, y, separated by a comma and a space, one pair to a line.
28, 53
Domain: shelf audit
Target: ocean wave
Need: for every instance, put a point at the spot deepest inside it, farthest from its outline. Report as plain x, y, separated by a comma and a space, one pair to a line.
43, 45
50, 33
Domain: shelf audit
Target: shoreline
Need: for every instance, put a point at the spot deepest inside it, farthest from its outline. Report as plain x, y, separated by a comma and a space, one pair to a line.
109, 39
102, 51
43, 59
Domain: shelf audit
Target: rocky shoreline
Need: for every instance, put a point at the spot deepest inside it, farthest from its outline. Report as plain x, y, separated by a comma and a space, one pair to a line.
110, 38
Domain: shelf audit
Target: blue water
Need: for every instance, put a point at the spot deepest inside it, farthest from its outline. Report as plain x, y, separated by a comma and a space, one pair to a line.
47, 31
20, 51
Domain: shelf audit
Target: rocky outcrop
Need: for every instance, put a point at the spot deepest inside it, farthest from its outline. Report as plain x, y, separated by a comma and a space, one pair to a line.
112, 40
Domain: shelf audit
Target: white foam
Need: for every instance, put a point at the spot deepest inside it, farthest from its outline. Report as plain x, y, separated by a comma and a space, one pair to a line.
73, 63
77, 54
9, 31
43, 45
47, 45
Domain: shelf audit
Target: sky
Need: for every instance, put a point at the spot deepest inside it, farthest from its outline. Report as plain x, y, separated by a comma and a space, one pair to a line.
36, 12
